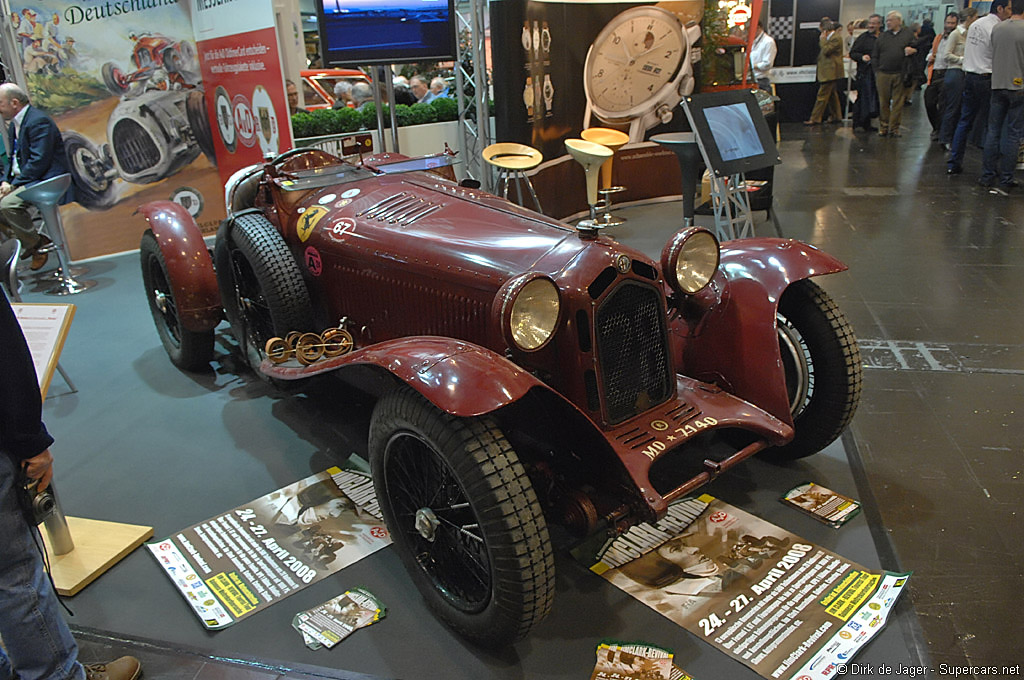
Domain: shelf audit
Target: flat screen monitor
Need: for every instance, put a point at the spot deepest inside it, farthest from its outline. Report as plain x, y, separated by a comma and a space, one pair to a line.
732, 130
355, 32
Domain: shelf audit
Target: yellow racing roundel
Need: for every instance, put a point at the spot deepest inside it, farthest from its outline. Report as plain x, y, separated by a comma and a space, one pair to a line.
308, 220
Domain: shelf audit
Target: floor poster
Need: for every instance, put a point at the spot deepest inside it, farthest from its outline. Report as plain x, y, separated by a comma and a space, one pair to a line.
779, 604
245, 560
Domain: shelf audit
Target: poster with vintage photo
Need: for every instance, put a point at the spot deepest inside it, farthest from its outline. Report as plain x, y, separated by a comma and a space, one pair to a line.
248, 558
762, 595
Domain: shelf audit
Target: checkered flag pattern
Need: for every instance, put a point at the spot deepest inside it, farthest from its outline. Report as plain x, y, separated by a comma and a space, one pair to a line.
781, 28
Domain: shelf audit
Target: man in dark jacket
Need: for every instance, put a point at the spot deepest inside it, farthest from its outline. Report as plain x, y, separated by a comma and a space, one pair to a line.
37, 154
866, 106
891, 50
36, 640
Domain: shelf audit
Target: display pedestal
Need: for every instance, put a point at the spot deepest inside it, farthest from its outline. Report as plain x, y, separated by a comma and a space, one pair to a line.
98, 546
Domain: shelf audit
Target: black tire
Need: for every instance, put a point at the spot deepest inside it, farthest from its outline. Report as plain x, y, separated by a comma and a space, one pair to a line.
485, 569
188, 350
114, 79
93, 188
823, 369
261, 286
195, 109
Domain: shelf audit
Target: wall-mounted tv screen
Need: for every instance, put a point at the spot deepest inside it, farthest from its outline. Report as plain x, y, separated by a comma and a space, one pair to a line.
354, 32
732, 130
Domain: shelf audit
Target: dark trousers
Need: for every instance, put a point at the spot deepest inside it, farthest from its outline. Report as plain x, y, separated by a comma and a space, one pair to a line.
866, 106
977, 93
934, 98
953, 91
1005, 131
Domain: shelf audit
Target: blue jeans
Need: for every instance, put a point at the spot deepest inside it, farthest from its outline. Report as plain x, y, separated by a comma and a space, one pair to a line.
953, 89
1005, 130
977, 93
39, 644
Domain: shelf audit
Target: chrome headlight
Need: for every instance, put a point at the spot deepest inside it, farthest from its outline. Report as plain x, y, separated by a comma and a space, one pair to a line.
690, 260
530, 311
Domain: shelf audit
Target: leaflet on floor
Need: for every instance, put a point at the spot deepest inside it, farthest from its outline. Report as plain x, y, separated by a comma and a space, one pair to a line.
635, 661
331, 622
764, 596
824, 505
244, 560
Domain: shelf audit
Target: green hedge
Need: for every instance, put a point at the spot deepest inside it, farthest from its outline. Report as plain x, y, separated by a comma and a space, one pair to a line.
339, 121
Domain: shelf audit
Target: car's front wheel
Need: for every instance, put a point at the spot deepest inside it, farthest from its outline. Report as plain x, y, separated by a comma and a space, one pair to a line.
261, 286
822, 365
463, 516
188, 350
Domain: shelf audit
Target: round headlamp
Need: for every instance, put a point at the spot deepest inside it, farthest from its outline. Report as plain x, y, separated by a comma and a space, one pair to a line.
690, 260
530, 311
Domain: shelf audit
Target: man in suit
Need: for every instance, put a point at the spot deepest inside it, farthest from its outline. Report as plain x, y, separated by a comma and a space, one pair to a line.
829, 72
37, 153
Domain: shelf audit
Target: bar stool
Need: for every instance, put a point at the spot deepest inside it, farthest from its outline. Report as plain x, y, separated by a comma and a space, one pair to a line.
614, 140
591, 156
512, 161
684, 146
46, 195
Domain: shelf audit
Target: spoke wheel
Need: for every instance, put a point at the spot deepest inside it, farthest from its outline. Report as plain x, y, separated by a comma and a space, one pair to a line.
261, 286
822, 365
188, 350
464, 518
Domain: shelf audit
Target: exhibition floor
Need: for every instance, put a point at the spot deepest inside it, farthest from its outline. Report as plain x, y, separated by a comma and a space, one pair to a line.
934, 453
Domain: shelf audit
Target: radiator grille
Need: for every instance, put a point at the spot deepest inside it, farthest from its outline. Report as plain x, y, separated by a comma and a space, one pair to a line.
632, 348
136, 151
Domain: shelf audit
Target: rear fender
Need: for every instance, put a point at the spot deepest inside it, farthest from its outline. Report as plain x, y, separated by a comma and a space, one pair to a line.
458, 377
189, 267
735, 343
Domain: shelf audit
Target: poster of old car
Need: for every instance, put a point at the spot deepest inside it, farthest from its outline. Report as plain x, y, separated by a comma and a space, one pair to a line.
248, 558
764, 596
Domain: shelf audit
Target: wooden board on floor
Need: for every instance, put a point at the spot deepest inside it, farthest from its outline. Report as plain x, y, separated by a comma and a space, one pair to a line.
99, 545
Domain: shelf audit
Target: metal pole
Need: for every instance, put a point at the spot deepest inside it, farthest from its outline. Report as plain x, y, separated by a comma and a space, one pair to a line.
378, 74
389, 86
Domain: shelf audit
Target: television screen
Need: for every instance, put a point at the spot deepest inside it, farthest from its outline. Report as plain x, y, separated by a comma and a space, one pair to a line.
354, 32
732, 131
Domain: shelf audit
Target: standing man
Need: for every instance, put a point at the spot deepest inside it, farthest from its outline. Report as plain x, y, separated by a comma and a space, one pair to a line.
37, 153
953, 86
934, 94
892, 48
421, 90
866, 106
1006, 114
762, 57
977, 81
830, 71
36, 641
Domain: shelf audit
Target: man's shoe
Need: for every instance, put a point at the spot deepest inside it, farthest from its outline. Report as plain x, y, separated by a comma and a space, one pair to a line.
987, 182
954, 170
39, 258
125, 668
810, 122
1012, 184
870, 128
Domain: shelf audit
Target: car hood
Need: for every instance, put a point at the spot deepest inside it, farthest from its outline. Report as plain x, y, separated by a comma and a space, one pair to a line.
419, 220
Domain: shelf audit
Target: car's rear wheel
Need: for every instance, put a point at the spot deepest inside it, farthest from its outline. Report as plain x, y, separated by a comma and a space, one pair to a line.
199, 122
822, 365
261, 286
463, 516
188, 350
114, 78
94, 189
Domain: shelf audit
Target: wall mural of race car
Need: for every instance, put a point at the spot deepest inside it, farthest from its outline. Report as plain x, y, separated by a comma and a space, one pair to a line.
159, 126
526, 373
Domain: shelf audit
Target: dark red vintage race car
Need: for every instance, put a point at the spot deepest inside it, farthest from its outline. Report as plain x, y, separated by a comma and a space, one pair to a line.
536, 374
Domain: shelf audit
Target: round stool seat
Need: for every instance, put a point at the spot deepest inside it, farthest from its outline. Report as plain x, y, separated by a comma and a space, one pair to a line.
512, 156
613, 139
47, 192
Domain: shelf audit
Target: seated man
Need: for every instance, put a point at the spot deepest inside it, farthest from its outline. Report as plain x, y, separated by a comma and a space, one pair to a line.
37, 153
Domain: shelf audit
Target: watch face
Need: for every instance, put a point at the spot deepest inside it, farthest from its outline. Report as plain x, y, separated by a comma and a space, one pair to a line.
633, 59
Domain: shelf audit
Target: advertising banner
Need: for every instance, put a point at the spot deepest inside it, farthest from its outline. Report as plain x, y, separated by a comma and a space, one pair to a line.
122, 81
768, 598
241, 69
248, 558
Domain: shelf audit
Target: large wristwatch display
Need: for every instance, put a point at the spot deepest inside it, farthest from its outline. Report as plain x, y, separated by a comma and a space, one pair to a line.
638, 69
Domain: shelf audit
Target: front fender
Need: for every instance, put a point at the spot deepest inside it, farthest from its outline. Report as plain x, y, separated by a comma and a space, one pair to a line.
458, 377
189, 267
735, 344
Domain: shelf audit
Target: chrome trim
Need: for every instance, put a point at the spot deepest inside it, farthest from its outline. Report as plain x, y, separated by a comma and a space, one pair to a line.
395, 207
366, 211
433, 207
